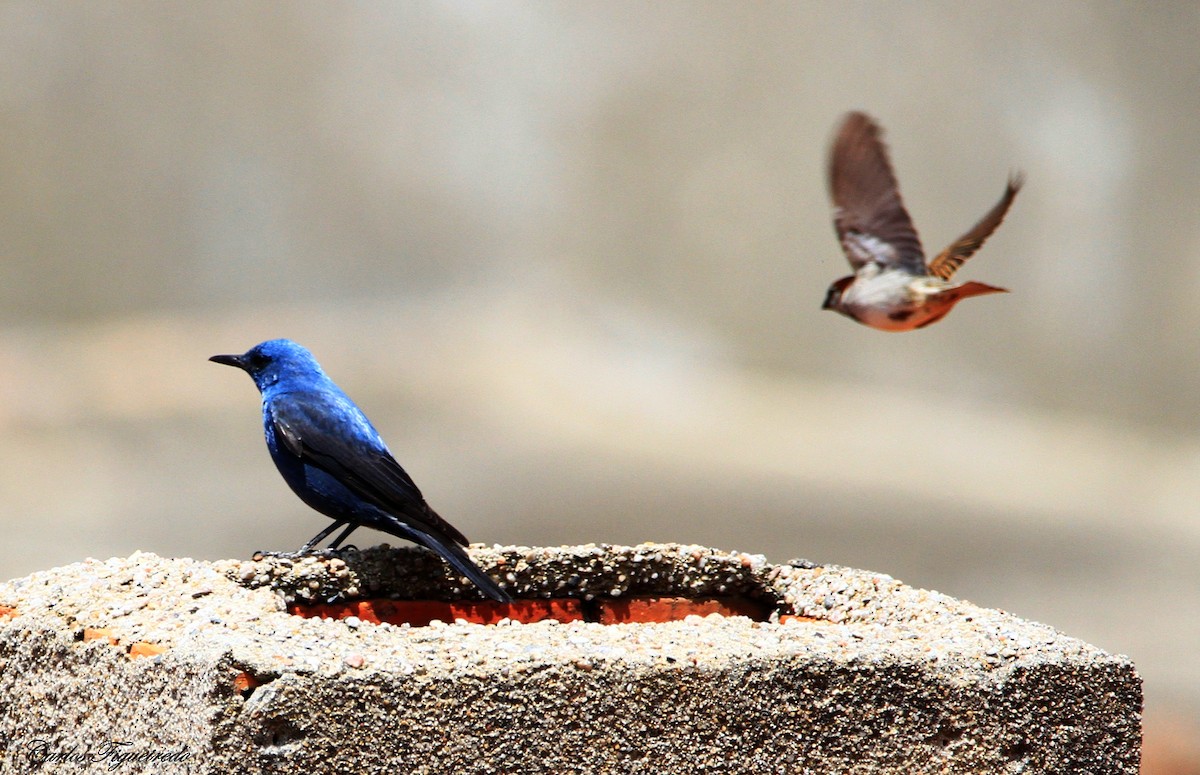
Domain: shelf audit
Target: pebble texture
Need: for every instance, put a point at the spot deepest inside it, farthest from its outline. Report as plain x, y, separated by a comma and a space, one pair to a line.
891, 679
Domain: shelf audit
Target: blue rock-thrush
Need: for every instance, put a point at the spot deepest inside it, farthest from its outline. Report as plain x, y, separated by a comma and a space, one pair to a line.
334, 459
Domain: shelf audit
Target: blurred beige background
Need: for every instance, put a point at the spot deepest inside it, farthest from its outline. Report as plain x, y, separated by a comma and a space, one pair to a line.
570, 258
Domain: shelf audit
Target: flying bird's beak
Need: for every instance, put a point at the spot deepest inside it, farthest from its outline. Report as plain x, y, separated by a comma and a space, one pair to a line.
229, 360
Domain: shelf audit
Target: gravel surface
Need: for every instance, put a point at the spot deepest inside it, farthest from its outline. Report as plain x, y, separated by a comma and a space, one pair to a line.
890, 679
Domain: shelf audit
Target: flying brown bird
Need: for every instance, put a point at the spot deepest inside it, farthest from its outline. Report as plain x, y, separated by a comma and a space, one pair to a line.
892, 288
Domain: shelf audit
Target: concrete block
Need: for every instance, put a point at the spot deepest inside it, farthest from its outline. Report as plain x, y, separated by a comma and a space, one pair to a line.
148, 664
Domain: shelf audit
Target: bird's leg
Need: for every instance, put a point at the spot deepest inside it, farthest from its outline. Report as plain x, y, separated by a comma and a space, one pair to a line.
319, 537
350, 528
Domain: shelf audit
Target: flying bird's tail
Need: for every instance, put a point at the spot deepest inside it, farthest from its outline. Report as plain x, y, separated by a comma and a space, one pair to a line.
973, 288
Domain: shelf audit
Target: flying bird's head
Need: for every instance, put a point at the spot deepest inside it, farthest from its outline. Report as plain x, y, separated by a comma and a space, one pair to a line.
269, 362
833, 296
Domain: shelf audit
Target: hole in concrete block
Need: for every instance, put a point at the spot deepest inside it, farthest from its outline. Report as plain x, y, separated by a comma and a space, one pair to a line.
947, 735
1018, 751
640, 609
279, 733
604, 584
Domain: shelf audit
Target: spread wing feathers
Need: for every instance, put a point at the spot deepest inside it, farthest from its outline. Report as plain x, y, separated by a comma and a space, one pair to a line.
950, 259
869, 215
368, 470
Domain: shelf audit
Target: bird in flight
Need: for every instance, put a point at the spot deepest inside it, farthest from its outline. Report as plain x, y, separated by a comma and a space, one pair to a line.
333, 458
893, 288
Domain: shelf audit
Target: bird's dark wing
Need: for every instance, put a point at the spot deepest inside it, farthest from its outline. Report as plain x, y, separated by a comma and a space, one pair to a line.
950, 259
330, 433
868, 214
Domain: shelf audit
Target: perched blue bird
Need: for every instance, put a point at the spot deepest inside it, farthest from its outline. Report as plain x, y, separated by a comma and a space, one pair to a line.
333, 458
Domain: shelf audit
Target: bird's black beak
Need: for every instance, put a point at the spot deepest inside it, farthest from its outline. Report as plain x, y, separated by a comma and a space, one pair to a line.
230, 360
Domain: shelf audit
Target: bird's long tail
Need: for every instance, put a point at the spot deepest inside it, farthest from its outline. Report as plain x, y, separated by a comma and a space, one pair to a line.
973, 288
457, 557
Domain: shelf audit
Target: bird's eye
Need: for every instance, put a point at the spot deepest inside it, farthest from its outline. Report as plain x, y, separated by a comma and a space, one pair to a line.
258, 361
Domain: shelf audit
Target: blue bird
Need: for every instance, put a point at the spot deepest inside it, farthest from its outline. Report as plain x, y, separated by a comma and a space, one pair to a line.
333, 458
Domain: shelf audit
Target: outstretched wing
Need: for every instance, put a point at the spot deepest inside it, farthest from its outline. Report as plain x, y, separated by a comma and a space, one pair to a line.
950, 259
331, 433
868, 214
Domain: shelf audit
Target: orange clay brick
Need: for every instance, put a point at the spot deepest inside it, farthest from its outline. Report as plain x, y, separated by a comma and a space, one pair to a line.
419, 613
144, 649
7, 611
670, 609
785, 618
243, 681
96, 633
